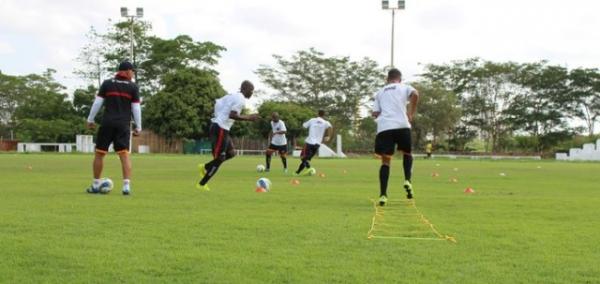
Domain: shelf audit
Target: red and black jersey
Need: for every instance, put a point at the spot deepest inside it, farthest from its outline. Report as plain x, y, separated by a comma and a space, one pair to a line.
118, 94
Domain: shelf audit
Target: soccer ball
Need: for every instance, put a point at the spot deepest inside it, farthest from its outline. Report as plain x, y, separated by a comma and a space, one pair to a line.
106, 185
264, 183
312, 171
260, 168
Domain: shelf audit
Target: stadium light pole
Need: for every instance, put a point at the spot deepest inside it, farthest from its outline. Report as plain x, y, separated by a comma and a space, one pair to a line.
139, 13
400, 5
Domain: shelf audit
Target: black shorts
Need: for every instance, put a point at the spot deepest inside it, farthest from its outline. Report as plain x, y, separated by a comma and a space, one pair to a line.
387, 141
279, 148
220, 141
309, 151
116, 133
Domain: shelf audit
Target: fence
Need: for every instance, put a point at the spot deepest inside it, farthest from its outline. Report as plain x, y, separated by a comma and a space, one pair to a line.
156, 143
8, 145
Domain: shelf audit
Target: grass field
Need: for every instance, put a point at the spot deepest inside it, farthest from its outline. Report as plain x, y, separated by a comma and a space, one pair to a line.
540, 223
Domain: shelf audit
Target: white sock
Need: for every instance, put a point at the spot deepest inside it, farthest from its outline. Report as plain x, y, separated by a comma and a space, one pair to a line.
126, 183
96, 183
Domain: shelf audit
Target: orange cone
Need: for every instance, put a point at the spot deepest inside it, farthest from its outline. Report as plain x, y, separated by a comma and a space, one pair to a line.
295, 182
260, 190
321, 175
469, 190
434, 174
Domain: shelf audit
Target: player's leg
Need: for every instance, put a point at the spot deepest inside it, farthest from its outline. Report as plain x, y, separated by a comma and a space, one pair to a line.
403, 140
303, 156
126, 169
268, 155
222, 151
384, 147
121, 145
314, 149
103, 140
283, 156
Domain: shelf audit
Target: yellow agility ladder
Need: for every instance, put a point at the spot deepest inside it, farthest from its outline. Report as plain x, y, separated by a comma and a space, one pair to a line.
404, 221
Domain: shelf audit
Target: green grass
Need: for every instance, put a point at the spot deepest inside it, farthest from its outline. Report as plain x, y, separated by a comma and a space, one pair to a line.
534, 225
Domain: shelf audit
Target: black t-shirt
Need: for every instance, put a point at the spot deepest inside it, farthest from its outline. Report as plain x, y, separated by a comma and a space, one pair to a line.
118, 95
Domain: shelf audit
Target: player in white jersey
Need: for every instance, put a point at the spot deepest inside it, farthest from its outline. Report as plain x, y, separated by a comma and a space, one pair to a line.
278, 141
316, 130
393, 128
228, 109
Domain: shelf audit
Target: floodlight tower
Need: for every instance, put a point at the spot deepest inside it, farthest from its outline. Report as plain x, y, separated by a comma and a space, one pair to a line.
400, 5
139, 13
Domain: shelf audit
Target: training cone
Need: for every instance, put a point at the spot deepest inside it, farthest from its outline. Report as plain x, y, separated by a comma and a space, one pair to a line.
321, 175
295, 182
469, 190
434, 174
454, 180
260, 190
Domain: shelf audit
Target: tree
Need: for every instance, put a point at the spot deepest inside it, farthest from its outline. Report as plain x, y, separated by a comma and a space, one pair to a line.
93, 66
11, 88
485, 90
585, 88
44, 114
184, 106
83, 100
438, 111
168, 55
337, 84
543, 106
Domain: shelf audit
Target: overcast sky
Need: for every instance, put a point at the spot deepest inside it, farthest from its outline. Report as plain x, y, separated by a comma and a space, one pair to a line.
37, 34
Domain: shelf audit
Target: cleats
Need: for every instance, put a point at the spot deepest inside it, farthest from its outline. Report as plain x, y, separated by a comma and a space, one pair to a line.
267, 170
409, 189
126, 190
92, 190
285, 171
202, 187
382, 200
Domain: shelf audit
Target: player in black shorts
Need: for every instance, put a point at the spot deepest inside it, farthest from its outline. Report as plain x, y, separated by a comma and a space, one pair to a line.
393, 129
318, 129
278, 142
121, 100
228, 109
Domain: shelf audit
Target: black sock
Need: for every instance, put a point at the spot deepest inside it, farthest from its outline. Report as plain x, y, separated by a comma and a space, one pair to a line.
211, 171
284, 161
209, 165
384, 175
407, 162
301, 167
268, 162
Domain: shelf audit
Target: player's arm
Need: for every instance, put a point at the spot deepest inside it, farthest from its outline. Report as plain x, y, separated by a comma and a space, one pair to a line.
412, 107
98, 102
376, 107
136, 109
328, 134
236, 111
250, 117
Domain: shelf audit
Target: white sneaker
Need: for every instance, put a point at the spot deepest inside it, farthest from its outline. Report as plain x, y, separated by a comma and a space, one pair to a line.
126, 190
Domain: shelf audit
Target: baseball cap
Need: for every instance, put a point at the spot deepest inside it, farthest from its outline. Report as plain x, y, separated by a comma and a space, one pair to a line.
126, 65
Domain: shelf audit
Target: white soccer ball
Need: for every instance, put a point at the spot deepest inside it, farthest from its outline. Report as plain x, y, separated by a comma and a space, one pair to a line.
106, 185
260, 168
264, 183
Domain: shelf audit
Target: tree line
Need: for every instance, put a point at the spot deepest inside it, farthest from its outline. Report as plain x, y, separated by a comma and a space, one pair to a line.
470, 104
